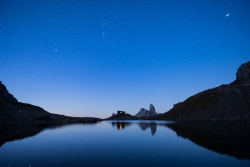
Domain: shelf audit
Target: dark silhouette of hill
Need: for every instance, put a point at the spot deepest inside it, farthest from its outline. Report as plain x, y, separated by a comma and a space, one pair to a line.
226, 102
122, 117
12, 111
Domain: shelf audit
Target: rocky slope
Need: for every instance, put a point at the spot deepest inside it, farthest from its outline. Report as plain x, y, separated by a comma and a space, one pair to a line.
5, 95
226, 102
143, 112
12, 111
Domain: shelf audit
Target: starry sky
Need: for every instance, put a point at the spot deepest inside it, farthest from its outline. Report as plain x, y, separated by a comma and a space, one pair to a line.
94, 57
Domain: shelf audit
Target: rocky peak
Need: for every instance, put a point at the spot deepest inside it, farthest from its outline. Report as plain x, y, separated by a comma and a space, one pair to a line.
143, 112
152, 108
243, 74
5, 95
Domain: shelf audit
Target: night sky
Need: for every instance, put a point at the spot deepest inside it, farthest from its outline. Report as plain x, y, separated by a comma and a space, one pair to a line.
94, 57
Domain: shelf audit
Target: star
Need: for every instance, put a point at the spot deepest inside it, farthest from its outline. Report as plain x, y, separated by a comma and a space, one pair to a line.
227, 15
55, 50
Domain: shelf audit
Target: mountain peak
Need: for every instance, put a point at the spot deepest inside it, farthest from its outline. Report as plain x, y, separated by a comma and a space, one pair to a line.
5, 95
143, 112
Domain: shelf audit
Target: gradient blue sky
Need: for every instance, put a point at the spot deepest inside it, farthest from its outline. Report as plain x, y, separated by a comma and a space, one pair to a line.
94, 57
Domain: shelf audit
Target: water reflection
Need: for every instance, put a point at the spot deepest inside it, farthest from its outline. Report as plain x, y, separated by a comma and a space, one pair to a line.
151, 125
120, 125
11, 132
231, 138
143, 125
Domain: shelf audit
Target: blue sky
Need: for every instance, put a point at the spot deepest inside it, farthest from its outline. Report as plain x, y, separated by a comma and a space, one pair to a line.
94, 57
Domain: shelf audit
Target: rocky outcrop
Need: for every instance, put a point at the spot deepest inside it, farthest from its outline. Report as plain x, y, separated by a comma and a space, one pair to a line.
226, 102
5, 95
143, 112
243, 74
152, 109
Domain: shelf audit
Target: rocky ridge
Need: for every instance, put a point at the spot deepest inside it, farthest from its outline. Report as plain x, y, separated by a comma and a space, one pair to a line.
5, 95
143, 112
226, 102
243, 75
12, 111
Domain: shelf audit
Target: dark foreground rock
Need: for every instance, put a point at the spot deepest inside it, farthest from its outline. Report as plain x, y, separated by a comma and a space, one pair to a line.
226, 102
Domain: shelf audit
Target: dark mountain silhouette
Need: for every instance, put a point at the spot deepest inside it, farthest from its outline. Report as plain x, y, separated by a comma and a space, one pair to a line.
12, 111
5, 95
226, 102
122, 117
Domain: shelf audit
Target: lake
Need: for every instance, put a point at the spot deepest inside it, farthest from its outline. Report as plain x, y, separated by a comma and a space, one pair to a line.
126, 143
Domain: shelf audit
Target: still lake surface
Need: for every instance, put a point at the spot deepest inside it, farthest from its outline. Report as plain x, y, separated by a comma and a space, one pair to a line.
130, 143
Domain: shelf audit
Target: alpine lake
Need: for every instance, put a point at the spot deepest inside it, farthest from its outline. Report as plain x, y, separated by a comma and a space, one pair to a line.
126, 143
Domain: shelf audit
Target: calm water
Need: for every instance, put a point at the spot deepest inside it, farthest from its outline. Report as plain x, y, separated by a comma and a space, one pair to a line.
131, 143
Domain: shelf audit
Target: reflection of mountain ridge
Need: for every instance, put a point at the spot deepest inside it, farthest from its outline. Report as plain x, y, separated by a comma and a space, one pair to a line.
11, 132
143, 125
231, 138
17, 132
121, 125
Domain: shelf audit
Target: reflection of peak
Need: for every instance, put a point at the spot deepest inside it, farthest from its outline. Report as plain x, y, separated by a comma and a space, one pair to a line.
152, 125
143, 125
